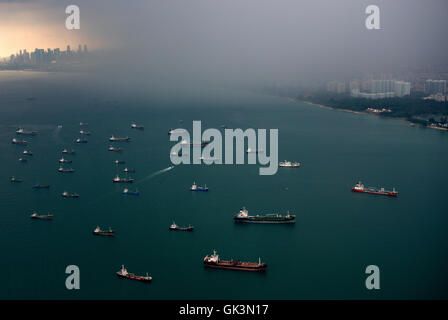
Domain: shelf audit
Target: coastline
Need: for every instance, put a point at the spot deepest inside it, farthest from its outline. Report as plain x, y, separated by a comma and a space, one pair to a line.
411, 123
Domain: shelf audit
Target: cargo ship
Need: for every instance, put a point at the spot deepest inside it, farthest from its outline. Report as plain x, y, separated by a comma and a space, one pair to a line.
63, 160
69, 170
289, 164
128, 170
79, 140
65, 151
19, 142
26, 133
14, 179
213, 261
359, 187
135, 126
23, 160
120, 162
111, 148
275, 218
118, 139
65, 194
99, 232
27, 153
117, 179
34, 215
133, 193
195, 187
123, 273
85, 133
41, 186
175, 227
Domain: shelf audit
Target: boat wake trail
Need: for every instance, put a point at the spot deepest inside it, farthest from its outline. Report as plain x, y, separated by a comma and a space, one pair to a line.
152, 175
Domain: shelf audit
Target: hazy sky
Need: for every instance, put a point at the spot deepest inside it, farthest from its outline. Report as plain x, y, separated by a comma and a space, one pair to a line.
278, 39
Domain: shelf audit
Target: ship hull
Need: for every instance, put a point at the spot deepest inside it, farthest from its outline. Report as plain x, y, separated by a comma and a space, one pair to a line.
138, 278
230, 266
388, 194
262, 221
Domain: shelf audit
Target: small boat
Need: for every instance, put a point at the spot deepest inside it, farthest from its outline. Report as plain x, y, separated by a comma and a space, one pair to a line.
195, 187
66, 170
65, 151
123, 273
135, 126
83, 124
99, 232
23, 160
62, 160
65, 194
14, 179
120, 162
115, 149
85, 133
27, 133
79, 140
19, 142
174, 226
41, 186
117, 179
48, 216
289, 164
127, 191
27, 153
130, 170
118, 139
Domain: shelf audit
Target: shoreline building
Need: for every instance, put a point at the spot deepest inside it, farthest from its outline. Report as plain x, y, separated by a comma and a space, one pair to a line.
380, 89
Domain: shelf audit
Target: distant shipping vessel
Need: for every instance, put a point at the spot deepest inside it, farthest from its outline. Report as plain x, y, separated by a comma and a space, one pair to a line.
27, 153
69, 170
65, 194
127, 191
123, 273
41, 186
175, 227
243, 216
120, 162
14, 179
85, 133
27, 133
117, 179
23, 160
63, 160
111, 148
135, 126
34, 215
65, 151
118, 139
289, 164
195, 187
128, 170
20, 142
359, 187
79, 140
99, 232
213, 261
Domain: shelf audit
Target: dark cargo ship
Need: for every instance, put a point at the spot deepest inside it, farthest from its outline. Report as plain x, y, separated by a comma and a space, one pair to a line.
243, 216
213, 261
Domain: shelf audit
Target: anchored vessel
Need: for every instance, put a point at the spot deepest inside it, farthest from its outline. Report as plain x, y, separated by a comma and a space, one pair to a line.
134, 193
41, 186
359, 187
79, 140
27, 153
65, 151
120, 161
123, 273
66, 170
243, 216
65, 194
86, 133
195, 187
213, 261
111, 148
14, 179
135, 126
118, 139
117, 179
289, 164
62, 160
34, 215
23, 160
128, 170
174, 226
99, 232
20, 142
26, 133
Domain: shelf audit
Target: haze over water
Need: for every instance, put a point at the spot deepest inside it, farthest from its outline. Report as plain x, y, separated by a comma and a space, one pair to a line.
324, 255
